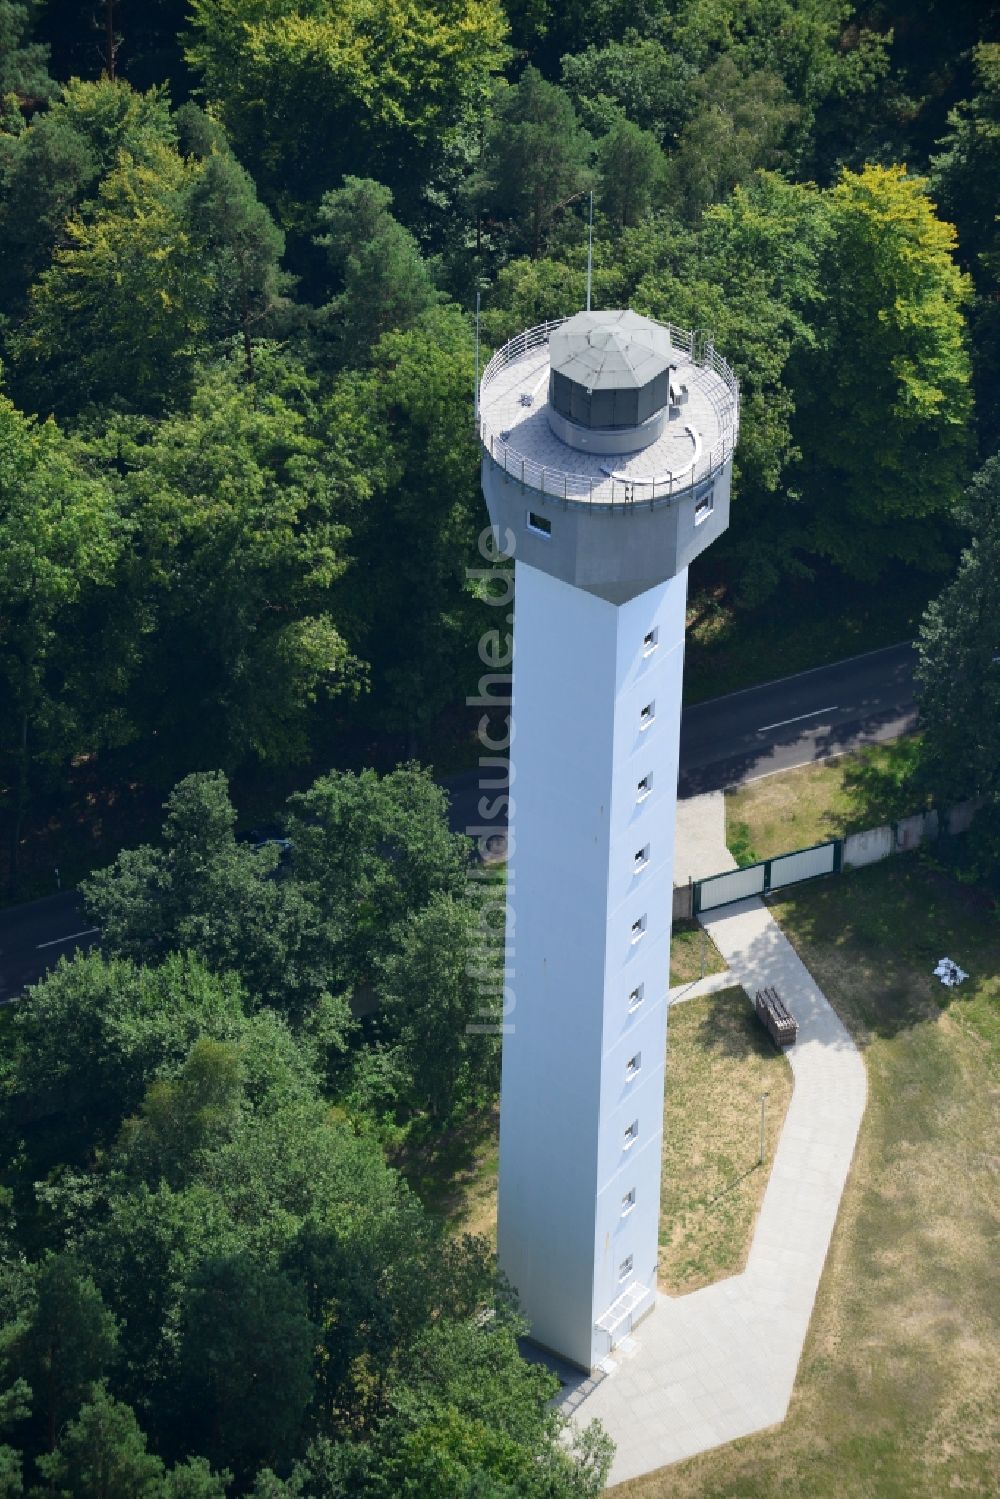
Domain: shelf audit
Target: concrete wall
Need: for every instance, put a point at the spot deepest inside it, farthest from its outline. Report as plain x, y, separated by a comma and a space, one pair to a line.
857, 849
581, 680
683, 903
912, 831
868, 847
959, 819
618, 553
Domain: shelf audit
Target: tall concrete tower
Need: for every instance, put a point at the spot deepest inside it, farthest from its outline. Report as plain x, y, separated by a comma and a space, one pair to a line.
607, 458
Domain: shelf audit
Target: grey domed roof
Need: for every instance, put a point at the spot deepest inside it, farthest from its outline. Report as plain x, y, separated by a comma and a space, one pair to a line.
615, 350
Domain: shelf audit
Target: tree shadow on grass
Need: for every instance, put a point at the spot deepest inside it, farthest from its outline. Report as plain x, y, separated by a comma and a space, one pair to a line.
886, 784
872, 937
441, 1165
730, 1028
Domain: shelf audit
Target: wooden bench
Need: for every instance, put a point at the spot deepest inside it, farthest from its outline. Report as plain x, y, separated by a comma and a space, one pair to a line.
775, 1015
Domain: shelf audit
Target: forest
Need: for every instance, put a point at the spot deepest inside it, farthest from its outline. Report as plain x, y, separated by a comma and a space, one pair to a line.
241, 243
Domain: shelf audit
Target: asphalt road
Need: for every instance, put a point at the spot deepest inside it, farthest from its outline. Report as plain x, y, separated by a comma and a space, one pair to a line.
781, 724
34, 936
797, 719
748, 734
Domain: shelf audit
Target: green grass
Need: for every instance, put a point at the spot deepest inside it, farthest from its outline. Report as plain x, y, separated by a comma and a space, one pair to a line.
693, 954
797, 808
896, 1395
719, 1061
455, 1175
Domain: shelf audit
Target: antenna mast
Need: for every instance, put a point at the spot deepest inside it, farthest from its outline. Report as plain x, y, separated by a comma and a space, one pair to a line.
590, 248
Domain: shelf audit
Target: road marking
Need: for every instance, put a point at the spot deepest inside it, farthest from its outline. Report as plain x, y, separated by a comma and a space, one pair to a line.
782, 722
71, 938
810, 671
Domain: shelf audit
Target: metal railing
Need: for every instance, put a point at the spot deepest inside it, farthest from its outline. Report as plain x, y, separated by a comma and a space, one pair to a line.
614, 489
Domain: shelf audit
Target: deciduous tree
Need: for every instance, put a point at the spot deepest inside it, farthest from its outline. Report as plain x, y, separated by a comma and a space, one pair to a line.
884, 397
408, 426
441, 982
60, 536
959, 658
245, 1364
206, 893
237, 502
375, 850
381, 86
123, 310
50, 168
739, 124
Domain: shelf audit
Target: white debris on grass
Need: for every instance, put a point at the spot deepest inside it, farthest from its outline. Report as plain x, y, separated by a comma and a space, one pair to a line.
949, 973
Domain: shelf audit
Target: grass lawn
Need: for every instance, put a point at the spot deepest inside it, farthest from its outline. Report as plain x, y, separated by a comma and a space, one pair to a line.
719, 1061
898, 1386
692, 954
796, 808
455, 1176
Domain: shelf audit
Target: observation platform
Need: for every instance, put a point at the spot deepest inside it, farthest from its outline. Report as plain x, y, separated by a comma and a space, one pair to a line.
696, 441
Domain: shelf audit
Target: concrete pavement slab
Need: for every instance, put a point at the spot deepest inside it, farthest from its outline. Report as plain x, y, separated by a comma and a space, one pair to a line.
724, 1359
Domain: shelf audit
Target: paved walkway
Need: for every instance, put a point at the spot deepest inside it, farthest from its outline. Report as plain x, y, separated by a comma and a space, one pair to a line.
720, 1363
700, 838
696, 988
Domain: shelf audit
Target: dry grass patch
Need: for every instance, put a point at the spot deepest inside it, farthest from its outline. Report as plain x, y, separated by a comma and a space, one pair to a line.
797, 808
455, 1175
898, 1386
719, 1061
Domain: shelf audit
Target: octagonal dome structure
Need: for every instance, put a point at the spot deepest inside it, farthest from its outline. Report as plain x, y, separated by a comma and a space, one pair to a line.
609, 372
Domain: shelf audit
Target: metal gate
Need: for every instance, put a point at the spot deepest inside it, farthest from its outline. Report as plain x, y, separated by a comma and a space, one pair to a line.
770, 874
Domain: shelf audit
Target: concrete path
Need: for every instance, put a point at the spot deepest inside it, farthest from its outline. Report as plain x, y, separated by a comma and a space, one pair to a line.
720, 1363
696, 988
700, 838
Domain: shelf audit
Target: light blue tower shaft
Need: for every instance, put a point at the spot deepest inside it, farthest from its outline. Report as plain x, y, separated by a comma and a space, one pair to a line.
595, 780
